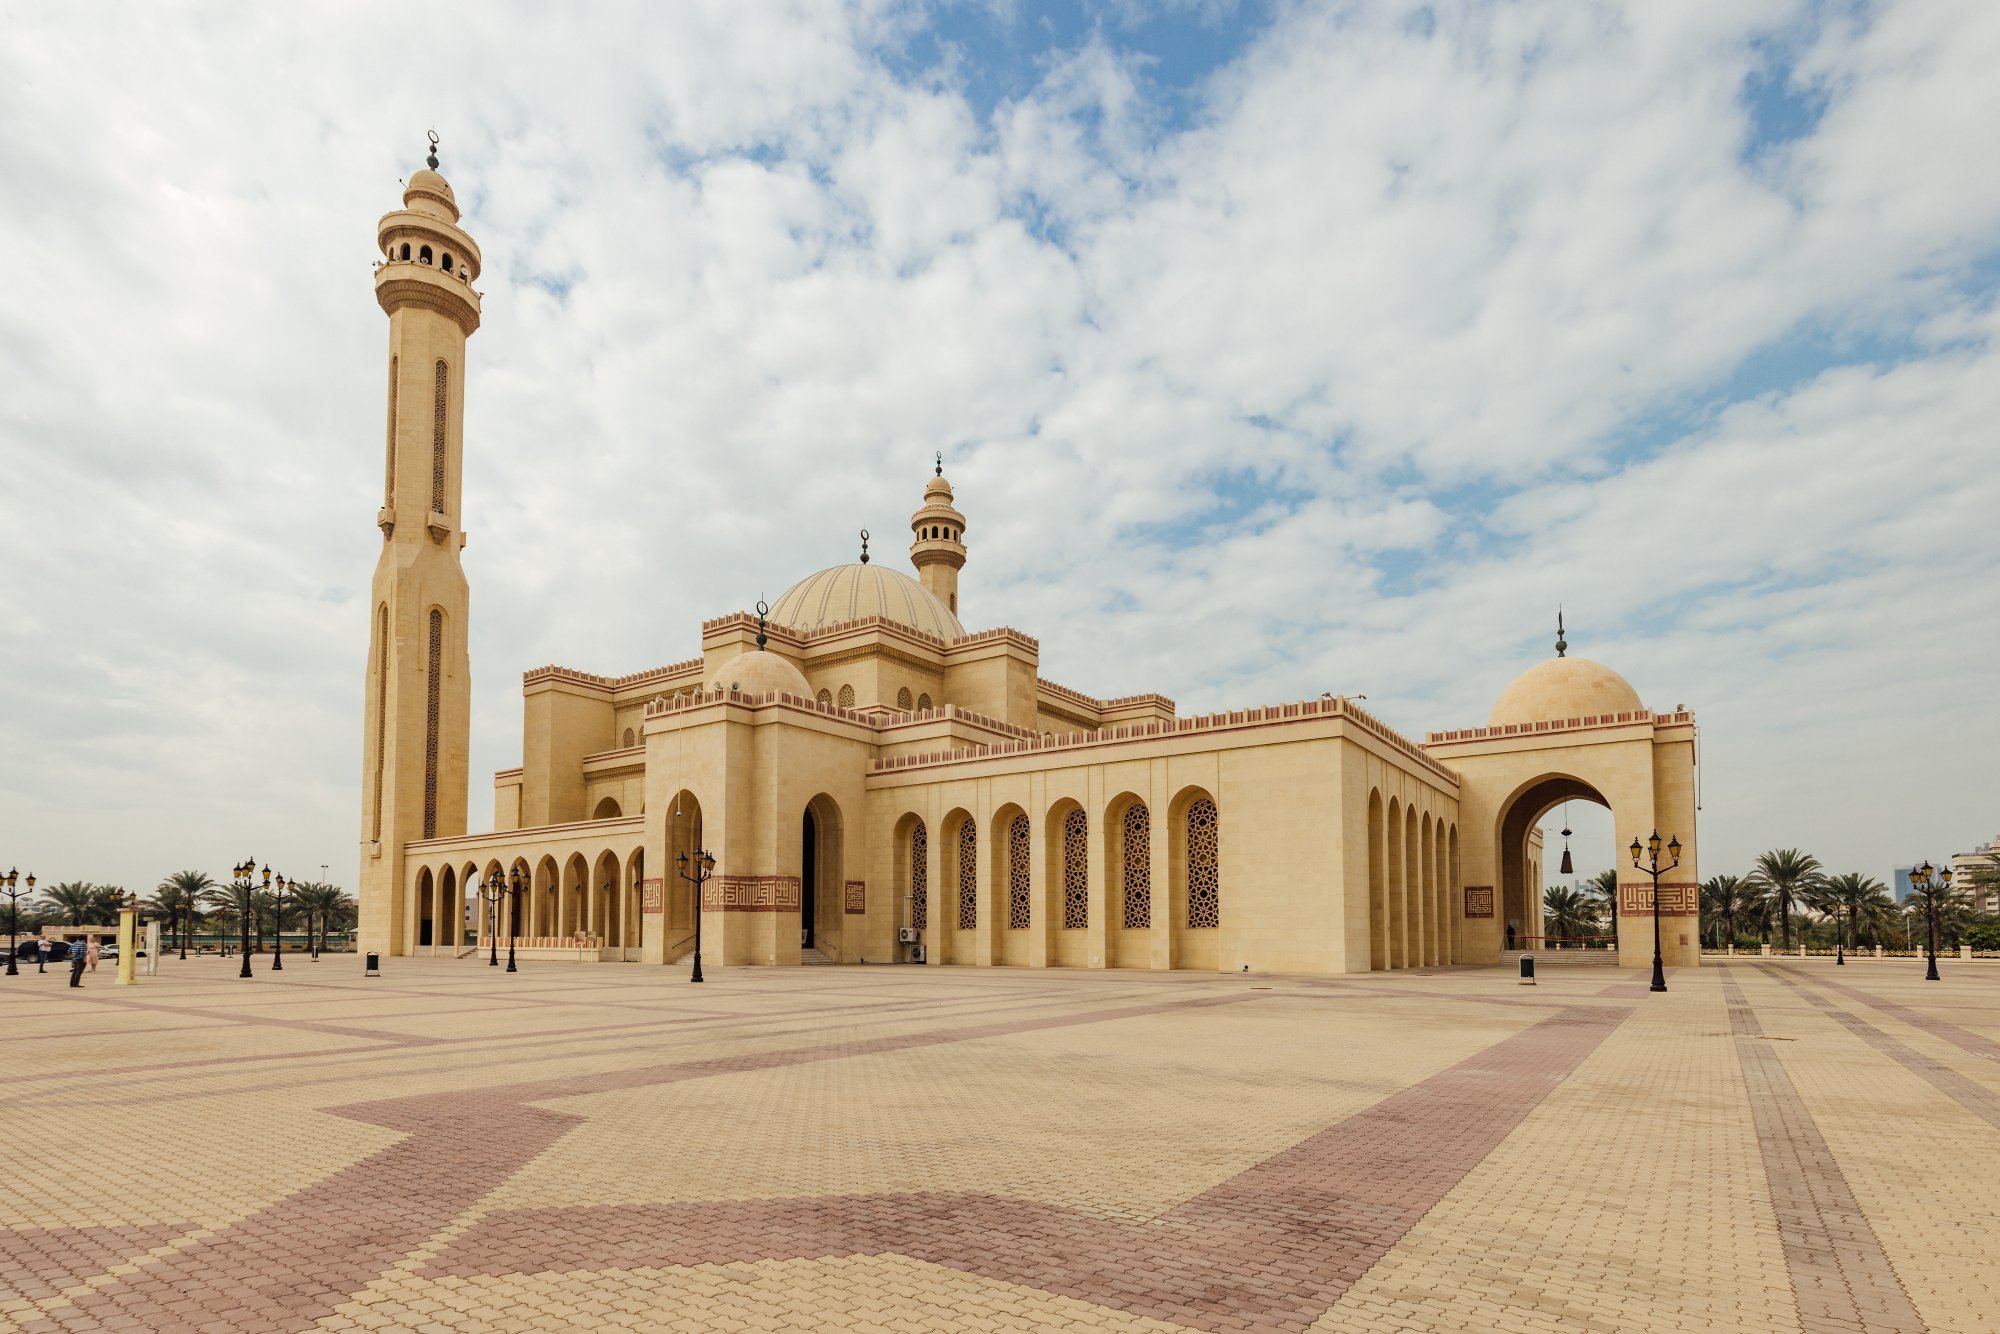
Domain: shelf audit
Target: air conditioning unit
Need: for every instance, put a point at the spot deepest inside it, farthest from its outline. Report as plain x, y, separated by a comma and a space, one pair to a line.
917, 952
907, 934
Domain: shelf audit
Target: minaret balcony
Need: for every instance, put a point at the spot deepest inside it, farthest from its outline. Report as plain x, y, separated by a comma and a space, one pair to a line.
404, 283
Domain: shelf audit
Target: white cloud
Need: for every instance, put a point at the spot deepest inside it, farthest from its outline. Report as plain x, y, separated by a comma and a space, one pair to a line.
1411, 296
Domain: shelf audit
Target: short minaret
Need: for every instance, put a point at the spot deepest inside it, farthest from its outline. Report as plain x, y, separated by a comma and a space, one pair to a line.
939, 551
418, 718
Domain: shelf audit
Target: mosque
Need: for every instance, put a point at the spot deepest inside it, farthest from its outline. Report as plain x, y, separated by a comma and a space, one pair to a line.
874, 783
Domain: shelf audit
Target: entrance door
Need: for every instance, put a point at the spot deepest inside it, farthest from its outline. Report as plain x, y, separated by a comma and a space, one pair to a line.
808, 880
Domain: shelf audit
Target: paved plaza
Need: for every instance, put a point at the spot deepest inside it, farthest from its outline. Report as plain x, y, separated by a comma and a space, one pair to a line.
1773, 1145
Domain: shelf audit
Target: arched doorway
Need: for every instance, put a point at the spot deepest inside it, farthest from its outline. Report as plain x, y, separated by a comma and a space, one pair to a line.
426, 895
683, 841
1520, 891
820, 871
808, 880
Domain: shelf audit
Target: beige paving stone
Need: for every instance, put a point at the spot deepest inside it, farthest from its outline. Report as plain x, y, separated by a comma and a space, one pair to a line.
1763, 1148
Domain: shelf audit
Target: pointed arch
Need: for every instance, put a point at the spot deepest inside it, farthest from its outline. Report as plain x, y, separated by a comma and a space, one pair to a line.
1378, 894
1399, 918
1194, 879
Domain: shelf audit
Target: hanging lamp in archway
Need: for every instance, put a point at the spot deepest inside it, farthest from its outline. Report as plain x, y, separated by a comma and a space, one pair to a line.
1568, 867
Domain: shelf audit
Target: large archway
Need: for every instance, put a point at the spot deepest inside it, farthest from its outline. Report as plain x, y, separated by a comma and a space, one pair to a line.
1519, 897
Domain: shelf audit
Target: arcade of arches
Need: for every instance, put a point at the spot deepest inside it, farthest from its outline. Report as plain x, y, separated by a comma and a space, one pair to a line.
875, 783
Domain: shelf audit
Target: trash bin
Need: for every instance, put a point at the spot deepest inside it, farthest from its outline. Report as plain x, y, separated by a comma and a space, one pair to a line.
1527, 970
374, 966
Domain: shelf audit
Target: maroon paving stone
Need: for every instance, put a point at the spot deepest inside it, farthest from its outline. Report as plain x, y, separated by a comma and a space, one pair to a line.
1841, 1277
1272, 1247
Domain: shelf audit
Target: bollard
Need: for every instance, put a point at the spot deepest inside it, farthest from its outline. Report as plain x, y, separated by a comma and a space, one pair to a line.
374, 966
1527, 970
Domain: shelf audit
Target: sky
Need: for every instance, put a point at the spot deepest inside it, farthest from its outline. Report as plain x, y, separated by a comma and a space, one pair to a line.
1273, 349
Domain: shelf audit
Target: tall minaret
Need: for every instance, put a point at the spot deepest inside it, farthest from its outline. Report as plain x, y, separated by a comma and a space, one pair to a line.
414, 779
939, 551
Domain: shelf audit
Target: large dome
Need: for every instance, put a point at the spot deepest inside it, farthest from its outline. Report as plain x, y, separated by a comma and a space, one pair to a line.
1564, 688
848, 592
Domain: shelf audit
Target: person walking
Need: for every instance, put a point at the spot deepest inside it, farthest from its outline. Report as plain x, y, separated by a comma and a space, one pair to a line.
90, 953
76, 965
41, 956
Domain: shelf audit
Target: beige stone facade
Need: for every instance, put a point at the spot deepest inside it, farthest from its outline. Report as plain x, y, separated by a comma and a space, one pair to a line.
875, 783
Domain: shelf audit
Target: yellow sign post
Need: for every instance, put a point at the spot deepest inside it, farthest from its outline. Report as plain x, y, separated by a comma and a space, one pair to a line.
128, 942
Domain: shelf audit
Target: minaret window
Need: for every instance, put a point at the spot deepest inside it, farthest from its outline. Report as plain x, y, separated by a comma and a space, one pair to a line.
389, 486
847, 697
447, 261
924, 703
406, 250
903, 701
433, 698
381, 705
424, 255
438, 402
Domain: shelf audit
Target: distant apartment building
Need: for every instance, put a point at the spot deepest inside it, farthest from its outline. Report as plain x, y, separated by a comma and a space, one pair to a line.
1985, 898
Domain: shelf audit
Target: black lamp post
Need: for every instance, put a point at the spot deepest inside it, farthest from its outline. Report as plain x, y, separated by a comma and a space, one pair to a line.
704, 866
513, 913
1840, 933
278, 926
491, 890
14, 893
243, 887
1656, 870
1921, 878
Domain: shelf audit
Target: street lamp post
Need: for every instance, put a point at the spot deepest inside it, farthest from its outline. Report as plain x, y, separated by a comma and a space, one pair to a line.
1656, 870
491, 890
13, 892
1921, 878
513, 913
704, 866
243, 887
278, 927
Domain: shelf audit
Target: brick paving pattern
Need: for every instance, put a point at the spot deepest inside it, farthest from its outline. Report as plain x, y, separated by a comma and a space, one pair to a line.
1769, 1146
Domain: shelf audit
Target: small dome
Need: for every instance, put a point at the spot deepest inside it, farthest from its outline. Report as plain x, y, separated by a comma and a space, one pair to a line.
758, 672
1564, 688
425, 184
848, 592
938, 489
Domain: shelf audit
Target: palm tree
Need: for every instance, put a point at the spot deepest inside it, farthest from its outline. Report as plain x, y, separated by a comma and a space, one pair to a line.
1722, 898
1567, 911
319, 902
72, 901
227, 903
180, 895
1785, 874
1860, 898
1604, 887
